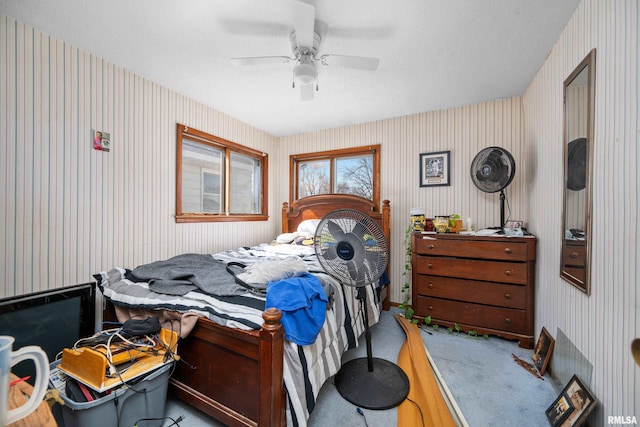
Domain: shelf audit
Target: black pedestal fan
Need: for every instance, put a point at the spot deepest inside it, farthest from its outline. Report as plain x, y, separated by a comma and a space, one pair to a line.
492, 170
352, 248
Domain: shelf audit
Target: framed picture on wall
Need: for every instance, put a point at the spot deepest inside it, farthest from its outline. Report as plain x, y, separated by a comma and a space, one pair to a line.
434, 169
543, 350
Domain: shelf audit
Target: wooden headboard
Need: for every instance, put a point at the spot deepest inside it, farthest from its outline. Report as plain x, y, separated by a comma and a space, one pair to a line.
316, 207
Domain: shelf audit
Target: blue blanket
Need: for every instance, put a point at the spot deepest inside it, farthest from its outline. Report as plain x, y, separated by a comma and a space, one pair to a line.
303, 303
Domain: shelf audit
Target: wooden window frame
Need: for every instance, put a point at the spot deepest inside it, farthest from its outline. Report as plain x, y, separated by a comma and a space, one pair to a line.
331, 155
227, 147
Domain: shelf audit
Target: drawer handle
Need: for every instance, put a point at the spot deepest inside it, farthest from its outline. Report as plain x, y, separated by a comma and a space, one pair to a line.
430, 285
430, 247
507, 295
507, 320
430, 265
430, 307
508, 272
573, 255
508, 251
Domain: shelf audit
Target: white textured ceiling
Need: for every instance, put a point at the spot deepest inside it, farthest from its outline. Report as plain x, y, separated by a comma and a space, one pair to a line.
434, 54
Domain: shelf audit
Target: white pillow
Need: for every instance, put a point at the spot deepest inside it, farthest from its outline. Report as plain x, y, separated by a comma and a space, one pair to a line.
286, 237
308, 226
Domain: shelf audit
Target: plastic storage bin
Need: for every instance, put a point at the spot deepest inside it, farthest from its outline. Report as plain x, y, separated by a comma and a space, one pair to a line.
124, 406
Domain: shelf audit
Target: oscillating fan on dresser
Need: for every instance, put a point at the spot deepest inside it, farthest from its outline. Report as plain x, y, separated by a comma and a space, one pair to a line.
492, 170
352, 248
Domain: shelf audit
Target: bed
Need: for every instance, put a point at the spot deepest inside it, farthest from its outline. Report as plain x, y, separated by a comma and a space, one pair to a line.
244, 376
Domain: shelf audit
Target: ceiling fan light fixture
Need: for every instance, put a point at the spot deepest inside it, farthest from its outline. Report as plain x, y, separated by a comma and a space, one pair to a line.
305, 73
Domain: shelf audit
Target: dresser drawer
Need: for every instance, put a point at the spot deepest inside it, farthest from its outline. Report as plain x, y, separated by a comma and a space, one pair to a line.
502, 295
503, 249
482, 316
492, 271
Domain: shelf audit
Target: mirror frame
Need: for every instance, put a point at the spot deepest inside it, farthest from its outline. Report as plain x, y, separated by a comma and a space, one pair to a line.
578, 277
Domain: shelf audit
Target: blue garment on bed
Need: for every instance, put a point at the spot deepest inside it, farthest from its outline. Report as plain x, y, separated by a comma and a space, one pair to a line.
303, 303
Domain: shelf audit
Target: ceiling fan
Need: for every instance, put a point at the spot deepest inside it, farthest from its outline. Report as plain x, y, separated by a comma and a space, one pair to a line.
305, 44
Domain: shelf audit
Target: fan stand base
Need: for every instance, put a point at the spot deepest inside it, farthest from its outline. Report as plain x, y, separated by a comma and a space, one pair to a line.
385, 387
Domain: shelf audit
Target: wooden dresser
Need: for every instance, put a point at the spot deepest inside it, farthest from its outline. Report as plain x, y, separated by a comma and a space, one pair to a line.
486, 284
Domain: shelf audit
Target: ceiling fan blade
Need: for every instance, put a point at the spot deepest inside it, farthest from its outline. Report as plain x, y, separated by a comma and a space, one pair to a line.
306, 92
260, 60
357, 62
303, 22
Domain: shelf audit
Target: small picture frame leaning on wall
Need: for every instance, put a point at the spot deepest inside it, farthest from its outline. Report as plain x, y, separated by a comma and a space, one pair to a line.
434, 169
559, 410
543, 350
572, 407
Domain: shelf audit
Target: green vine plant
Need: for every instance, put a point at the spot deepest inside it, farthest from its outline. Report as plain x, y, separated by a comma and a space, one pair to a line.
471, 333
406, 290
406, 274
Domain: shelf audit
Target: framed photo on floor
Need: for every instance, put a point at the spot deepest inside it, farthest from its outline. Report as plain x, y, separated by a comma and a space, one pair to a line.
573, 405
543, 350
559, 410
434, 169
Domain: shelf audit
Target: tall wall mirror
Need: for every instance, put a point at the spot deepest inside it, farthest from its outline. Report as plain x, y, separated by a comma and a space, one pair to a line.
579, 89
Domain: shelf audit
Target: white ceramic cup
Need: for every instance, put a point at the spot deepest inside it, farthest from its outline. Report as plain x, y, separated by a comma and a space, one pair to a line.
9, 358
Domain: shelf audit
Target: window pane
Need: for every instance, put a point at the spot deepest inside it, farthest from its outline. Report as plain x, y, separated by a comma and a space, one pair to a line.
244, 194
211, 186
313, 178
211, 204
200, 160
354, 175
210, 182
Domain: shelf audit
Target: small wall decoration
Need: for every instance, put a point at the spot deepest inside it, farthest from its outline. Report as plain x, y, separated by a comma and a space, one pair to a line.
543, 350
101, 140
572, 406
434, 169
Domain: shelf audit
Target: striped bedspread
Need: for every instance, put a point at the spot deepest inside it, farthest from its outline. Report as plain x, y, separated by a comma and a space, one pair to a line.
306, 368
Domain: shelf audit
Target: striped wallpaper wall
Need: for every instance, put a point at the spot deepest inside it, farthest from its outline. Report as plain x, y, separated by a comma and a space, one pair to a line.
69, 211
603, 325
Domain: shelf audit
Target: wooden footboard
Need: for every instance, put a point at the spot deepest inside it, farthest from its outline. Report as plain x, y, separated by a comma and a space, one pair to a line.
232, 375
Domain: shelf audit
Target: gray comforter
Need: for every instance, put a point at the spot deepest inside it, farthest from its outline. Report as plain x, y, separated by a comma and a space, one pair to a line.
188, 272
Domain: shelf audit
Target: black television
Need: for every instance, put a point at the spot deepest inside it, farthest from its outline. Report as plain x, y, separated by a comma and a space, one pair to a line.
53, 320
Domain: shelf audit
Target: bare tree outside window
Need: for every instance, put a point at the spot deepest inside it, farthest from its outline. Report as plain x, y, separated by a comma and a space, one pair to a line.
313, 178
355, 176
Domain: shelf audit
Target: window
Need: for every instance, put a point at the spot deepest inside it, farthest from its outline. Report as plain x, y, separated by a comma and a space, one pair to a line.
218, 180
348, 171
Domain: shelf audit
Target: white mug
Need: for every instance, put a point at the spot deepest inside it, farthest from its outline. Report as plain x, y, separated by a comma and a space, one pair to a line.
8, 358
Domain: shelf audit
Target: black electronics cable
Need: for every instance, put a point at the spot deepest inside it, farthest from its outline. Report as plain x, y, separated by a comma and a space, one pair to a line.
174, 422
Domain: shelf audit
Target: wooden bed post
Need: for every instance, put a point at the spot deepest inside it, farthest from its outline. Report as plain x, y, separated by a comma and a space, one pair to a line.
386, 218
285, 218
271, 411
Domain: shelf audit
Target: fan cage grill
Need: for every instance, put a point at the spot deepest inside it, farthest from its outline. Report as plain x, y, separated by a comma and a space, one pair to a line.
492, 169
351, 247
